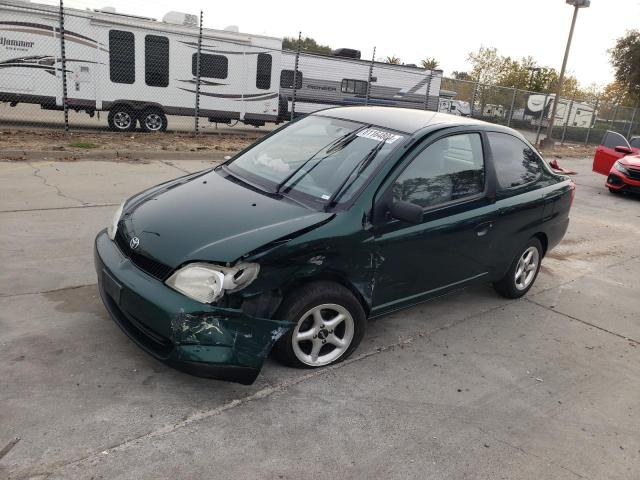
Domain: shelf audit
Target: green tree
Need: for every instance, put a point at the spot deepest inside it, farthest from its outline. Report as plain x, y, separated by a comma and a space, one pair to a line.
429, 63
625, 59
618, 93
486, 65
307, 44
393, 60
517, 73
461, 75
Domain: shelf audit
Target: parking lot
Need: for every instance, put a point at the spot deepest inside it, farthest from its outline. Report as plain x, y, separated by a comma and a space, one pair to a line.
468, 386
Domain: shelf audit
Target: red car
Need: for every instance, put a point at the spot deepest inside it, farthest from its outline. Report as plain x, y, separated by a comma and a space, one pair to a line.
619, 159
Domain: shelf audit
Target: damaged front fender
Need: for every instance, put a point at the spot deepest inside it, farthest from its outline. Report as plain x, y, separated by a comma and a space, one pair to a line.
226, 336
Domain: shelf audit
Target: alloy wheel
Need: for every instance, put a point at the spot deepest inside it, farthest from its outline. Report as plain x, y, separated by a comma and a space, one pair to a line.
153, 122
323, 334
122, 120
527, 268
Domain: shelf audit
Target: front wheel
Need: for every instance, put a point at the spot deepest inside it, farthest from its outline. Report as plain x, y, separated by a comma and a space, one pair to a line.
329, 325
153, 120
523, 271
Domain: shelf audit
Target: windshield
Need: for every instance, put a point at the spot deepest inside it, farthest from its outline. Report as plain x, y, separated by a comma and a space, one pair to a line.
317, 158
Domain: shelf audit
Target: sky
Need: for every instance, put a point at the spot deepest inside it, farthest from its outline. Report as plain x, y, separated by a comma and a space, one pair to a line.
412, 30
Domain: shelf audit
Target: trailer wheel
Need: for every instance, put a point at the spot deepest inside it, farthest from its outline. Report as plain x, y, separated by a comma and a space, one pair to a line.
122, 119
153, 120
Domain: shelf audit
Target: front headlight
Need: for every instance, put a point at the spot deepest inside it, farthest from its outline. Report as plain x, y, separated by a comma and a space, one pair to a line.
621, 168
206, 283
113, 226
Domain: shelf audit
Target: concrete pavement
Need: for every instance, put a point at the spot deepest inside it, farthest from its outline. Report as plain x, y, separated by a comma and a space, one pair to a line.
468, 386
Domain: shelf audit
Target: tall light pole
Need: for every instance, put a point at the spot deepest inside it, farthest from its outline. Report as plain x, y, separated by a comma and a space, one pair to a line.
577, 4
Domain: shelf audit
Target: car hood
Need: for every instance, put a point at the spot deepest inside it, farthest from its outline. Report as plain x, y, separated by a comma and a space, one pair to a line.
211, 217
631, 161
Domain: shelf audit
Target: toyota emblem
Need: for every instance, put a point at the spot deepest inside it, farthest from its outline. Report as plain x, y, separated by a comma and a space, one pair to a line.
135, 241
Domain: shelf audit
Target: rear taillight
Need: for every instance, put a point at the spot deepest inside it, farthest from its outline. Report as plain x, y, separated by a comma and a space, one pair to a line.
572, 186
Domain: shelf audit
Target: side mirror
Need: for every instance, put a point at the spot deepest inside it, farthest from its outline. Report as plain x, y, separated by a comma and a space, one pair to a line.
623, 149
406, 211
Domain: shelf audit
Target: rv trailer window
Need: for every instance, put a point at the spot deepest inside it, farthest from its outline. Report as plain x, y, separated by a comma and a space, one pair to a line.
359, 87
122, 57
211, 66
156, 61
286, 79
263, 73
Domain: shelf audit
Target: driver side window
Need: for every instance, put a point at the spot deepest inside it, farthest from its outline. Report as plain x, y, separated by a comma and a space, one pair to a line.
449, 169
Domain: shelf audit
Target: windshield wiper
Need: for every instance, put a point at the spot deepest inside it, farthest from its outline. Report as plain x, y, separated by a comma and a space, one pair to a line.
358, 169
330, 148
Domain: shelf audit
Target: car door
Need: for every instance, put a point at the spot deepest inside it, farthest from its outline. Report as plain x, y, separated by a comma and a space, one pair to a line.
606, 155
450, 246
522, 202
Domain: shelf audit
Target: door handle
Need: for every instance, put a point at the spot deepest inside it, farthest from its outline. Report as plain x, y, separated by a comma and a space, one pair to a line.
483, 228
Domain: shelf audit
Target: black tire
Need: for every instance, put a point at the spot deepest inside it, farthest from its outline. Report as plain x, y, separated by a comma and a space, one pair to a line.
306, 298
117, 119
614, 191
153, 120
507, 286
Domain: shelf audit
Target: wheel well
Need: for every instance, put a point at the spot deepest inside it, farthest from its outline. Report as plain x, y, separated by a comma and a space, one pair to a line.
136, 106
543, 240
328, 277
121, 105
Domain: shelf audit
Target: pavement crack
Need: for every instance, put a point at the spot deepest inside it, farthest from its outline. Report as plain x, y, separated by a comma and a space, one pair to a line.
7, 448
602, 329
523, 451
55, 290
36, 173
44, 209
169, 164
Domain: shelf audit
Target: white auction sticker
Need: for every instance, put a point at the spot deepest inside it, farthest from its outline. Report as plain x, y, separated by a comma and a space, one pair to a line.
378, 135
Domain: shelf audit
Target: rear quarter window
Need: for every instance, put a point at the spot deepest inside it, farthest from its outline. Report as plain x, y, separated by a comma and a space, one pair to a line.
516, 164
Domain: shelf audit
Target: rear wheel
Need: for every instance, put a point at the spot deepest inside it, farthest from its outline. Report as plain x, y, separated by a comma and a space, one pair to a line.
153, 120
614, 191
122, 119
329, 325
523, 271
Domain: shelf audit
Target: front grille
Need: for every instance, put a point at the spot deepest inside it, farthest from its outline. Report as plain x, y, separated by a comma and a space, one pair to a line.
144, 263
633, 174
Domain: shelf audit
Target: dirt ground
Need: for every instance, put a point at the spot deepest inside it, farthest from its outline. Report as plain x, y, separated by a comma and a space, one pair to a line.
78, 142
85, 144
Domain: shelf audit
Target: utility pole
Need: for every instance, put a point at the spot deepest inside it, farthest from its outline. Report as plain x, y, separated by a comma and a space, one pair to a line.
577, 4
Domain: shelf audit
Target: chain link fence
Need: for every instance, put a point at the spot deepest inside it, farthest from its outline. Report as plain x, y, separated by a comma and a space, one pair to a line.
78, 69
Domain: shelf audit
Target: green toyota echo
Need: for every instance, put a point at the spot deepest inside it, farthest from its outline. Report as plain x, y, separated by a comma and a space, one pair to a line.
344, 215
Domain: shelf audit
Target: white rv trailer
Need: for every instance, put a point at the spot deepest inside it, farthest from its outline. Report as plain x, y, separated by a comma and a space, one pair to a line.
493, 110
454, 107
333, 80
136, 68
577, 114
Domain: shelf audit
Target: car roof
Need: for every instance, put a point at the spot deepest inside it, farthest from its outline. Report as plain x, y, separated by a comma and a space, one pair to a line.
402, 119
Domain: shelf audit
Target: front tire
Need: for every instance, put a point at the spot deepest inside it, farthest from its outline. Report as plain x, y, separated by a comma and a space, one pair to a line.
153, 120
329, 325
523, 271
122, 119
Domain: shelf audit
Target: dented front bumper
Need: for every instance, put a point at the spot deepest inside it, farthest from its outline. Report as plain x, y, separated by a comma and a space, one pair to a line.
200, 339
